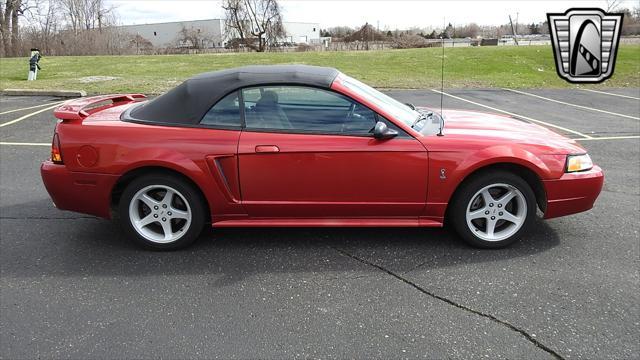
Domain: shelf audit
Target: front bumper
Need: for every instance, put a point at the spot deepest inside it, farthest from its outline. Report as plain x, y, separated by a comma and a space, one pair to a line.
87, 193
573, 192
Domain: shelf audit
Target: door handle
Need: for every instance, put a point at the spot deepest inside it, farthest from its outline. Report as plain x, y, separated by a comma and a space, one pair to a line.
267, 149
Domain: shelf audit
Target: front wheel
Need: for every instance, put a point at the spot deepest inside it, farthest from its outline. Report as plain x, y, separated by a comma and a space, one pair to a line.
493, 210
161, 212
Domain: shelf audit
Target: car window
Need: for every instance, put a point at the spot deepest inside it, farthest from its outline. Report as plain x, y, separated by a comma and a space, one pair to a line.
300, 109
225, 113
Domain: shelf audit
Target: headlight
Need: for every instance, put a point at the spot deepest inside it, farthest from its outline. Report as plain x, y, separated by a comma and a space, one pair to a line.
578, 163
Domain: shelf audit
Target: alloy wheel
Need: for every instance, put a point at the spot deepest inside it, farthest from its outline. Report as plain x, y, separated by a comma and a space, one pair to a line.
496, 212
160, 214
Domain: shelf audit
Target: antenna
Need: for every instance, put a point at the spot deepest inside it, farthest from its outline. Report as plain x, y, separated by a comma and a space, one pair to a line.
444, 22
442, 73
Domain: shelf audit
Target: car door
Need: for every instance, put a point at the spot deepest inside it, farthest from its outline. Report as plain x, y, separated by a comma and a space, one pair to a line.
308, 152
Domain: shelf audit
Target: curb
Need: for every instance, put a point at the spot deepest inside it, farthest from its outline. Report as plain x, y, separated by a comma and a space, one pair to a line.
34, 92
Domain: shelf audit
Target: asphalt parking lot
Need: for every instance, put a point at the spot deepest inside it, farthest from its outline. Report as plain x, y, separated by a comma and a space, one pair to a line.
73, 287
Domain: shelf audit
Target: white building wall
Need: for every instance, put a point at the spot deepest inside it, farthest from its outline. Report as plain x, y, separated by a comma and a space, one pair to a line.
301, 33
212, 30
168, 34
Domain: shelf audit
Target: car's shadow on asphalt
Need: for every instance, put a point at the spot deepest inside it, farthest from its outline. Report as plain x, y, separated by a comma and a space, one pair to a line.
84, 246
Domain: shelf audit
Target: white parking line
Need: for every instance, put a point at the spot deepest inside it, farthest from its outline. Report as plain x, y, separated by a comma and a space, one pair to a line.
612, 94
585, 136
24, 144
30, 107
574, 105
28, 116
611, 138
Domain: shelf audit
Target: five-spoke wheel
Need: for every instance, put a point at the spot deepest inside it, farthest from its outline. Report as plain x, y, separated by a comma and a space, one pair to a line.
492, 209
496, 212
162, 211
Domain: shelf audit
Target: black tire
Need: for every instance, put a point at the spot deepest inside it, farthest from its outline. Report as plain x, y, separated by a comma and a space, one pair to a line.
193, 201
465, 194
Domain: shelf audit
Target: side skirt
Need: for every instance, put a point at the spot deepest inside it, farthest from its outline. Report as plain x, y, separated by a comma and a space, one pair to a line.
329, 222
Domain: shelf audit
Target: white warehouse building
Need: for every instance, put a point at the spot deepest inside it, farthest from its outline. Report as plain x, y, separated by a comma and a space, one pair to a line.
212, 33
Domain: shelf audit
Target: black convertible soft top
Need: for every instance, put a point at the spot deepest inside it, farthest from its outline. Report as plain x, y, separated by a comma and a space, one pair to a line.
189, 102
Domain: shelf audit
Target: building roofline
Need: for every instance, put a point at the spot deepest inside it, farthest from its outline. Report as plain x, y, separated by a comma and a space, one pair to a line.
191, 21
169, 22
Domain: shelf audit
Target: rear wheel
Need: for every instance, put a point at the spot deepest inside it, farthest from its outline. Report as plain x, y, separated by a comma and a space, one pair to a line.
161, 212
493, 210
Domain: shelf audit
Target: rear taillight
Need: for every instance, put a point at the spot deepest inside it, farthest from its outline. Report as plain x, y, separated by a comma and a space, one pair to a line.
56, 154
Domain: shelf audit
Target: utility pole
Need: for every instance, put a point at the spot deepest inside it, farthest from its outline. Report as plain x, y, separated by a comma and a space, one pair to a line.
513, 31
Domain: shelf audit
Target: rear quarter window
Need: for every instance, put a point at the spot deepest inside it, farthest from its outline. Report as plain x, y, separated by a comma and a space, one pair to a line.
225, 113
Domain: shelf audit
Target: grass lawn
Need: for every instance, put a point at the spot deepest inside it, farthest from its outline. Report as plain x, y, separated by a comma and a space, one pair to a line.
484, 67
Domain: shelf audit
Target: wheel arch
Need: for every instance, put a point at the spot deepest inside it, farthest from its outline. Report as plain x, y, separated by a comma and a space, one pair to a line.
130, 175
524, 172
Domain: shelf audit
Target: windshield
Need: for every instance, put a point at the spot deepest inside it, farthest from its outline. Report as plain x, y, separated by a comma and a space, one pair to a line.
395, 108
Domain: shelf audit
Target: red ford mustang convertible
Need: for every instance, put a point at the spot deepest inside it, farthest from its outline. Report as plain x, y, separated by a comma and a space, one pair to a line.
296, 145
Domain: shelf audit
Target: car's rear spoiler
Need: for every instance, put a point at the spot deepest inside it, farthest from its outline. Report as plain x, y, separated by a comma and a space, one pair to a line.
79, 109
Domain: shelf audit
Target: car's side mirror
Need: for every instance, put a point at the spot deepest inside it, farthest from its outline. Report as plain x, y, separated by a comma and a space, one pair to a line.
381, 131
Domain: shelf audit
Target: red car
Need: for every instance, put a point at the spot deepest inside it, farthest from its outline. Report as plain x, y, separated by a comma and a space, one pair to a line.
294, 145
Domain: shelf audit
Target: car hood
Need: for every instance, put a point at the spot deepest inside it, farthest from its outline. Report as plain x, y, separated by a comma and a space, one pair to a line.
478, 125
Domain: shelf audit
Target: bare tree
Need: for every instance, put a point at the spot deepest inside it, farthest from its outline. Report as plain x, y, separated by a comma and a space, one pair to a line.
84, 14
6, 10
10, 12
43, 25
141, 44
365, 34
631, 23
193, 38
612, 5
257, 23
339, 31
468, 31
69, 27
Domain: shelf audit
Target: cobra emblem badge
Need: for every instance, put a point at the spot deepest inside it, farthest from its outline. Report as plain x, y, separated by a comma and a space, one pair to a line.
443, 175
585, 44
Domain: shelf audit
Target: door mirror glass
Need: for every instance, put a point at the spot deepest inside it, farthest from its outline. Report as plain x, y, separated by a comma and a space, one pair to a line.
381, 131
